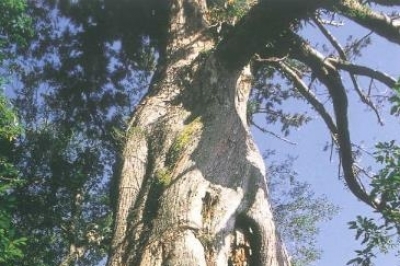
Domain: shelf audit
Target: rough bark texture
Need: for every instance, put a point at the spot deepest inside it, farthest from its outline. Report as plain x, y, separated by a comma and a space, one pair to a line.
192, 189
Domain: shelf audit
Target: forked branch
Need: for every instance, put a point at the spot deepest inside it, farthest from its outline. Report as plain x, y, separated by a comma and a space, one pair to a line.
329, 75
305, 91
363, 71
342, 55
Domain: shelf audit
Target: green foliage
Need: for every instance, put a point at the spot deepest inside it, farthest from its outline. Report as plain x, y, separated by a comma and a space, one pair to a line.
10, 242
14, 29
9, 128
381, 235
387, 183
376, 238
68, 205
84, 70
227, 11
297, 211
395, 100
181, 141
15, 24
163, 177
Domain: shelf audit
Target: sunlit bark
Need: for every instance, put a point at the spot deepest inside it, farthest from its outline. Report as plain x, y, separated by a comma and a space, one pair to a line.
192, 188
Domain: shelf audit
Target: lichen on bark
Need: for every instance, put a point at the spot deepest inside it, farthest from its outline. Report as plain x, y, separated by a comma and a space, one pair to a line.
203, 174
182, 140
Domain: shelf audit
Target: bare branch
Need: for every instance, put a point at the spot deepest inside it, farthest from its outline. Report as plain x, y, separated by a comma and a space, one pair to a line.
332, 23
330, 77
266, 131
305, 91
364, 98
364, 150
359, 42
335, 43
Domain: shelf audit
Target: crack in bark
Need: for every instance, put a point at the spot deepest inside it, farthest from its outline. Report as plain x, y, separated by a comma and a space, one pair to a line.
245, 243
224, 155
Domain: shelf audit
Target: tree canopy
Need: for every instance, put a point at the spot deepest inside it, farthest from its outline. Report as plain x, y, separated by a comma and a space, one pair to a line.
15, 29
80, 77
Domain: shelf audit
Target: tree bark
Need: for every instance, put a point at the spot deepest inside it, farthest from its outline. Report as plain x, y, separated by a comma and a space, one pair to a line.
192, 188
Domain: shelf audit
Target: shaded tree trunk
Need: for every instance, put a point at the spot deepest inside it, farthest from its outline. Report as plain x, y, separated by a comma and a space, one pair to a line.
192, 188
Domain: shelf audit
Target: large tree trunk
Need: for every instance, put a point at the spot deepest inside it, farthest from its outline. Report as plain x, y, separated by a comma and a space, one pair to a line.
192, 188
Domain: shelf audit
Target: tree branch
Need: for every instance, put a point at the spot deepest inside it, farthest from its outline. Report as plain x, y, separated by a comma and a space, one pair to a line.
335, 43
330, 77
272, 21
363, 71
263, 24
305, 91
266, 131
379, 23
364, 98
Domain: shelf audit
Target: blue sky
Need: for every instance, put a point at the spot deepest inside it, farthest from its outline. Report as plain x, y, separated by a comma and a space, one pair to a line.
314, 164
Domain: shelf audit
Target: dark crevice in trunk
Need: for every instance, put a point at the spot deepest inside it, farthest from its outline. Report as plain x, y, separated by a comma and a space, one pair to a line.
149, 200
247, 243
152, 204
209, 202
115, 182
197, 148
195, 13
151, 207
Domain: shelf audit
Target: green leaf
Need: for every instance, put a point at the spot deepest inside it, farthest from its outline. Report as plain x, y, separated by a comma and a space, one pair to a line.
354, 261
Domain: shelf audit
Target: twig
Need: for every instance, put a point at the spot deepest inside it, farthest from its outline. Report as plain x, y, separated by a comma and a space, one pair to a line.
266, 131
362, 149
305, 91
330, 77
364, 98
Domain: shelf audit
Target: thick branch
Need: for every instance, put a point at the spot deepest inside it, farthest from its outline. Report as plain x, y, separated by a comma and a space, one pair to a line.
363, 71
330, 77
260, 26
305, 91
364, 98
270, 21
379, 23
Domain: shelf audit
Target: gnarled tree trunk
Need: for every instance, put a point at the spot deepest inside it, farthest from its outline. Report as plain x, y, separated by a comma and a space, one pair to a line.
192, 188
